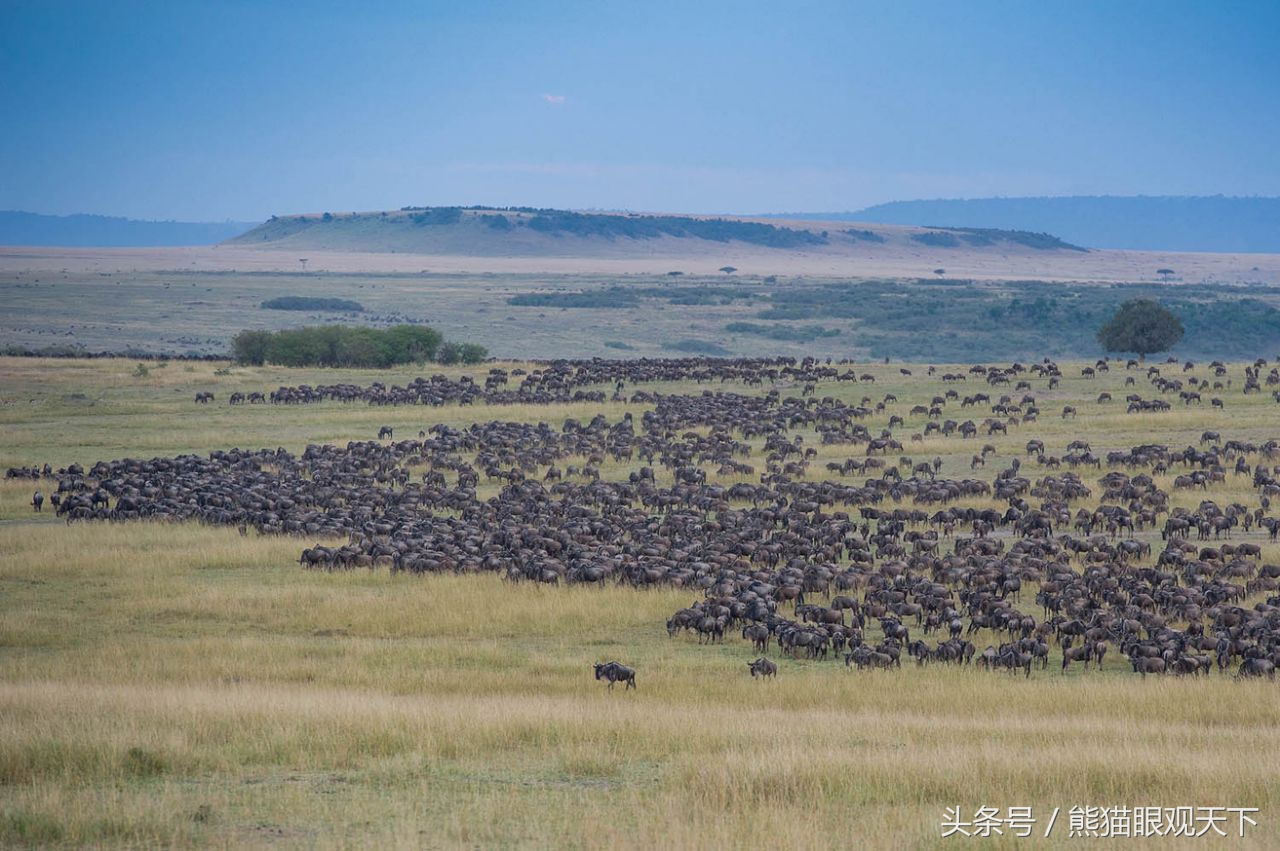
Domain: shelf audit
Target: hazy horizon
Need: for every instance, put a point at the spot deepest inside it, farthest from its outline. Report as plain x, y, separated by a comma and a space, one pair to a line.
239, 110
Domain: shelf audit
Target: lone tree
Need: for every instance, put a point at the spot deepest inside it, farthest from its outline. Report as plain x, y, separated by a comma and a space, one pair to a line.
1165, 274
728, 270
1143, 326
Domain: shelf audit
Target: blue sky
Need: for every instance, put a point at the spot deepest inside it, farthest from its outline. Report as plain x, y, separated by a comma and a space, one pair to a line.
238, 110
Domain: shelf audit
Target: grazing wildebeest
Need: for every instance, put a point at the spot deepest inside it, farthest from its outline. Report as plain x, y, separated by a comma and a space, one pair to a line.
1257, 668
616, 673
759, 635
386, 431
1077, 654
751, 549
762, 667
1147, 664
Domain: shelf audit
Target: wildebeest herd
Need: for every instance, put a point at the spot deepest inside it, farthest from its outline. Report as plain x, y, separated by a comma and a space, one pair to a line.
714, 492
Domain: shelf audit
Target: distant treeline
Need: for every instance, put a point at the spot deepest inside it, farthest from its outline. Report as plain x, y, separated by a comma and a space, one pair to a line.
62, 350
937, 237
345, 346
301, 302
864, 235
649, 227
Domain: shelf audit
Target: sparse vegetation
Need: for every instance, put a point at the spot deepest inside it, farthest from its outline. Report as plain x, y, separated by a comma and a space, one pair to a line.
967, 319
936, 239
612, 299
697, 347
976, 321
787, 333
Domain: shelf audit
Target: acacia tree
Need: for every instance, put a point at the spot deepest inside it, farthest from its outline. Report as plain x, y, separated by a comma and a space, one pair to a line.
1143, 326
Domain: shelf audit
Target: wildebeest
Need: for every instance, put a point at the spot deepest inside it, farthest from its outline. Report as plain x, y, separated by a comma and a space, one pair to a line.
846, 557
615, 672
762, 667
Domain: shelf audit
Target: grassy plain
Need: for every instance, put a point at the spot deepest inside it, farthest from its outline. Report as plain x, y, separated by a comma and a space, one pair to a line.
186, 686
190, 309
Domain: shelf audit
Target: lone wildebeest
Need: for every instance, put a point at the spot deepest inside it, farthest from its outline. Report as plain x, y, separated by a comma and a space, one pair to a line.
762, 667
616, 673
386, 431
37, 501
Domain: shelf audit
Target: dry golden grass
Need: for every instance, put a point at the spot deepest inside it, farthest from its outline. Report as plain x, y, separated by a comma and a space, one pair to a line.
185, 686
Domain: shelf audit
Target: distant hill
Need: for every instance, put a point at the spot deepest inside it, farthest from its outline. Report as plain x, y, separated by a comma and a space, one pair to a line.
1150, 223
528, 232
88, 231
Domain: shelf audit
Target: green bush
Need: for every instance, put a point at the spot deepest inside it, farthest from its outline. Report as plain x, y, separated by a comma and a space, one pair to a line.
341, 346
1141, 325
251, 347
468, 353
449, 353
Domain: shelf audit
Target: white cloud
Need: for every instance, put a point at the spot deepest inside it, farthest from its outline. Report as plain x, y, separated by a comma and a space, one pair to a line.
554, 100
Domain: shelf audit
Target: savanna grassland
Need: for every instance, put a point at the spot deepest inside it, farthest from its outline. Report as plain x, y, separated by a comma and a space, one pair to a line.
188, 312
184, 685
